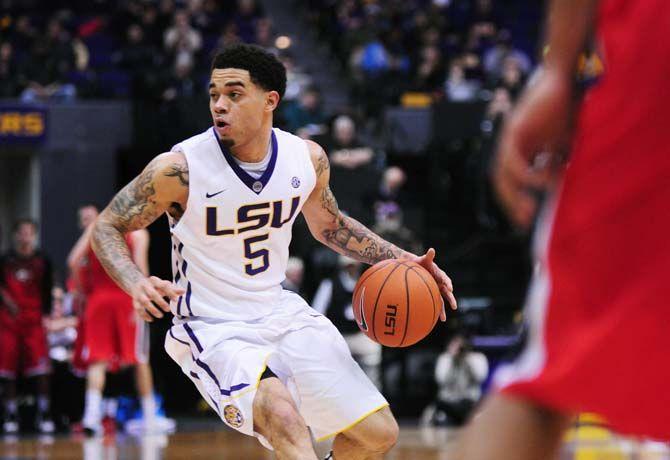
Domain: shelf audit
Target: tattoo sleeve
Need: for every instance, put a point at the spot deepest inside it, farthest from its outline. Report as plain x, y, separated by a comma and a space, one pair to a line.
134, 207
349, 237
180, 172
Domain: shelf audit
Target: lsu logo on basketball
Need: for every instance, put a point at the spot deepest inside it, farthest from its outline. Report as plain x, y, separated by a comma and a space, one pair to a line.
389, 319
233, 416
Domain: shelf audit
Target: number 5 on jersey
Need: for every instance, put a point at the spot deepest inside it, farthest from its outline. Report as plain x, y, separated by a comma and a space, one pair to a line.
251, 254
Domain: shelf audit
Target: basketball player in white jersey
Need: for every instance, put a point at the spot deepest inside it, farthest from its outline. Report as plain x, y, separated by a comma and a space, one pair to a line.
267, 363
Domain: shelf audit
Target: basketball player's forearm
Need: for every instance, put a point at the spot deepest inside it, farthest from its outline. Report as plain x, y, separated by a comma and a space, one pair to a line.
353, 239
349, 237
111, 248
569, 23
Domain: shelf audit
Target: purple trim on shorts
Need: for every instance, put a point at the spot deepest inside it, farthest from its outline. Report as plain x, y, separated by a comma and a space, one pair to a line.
203, 365
179, 305
191, 334
239, 386
194, 375
178, 340
207, 369
188, 297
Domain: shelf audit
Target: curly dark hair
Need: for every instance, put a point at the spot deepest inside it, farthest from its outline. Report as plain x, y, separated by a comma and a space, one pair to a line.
264, 68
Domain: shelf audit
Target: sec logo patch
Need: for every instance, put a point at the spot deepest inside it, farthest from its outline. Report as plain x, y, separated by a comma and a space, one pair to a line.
233, 416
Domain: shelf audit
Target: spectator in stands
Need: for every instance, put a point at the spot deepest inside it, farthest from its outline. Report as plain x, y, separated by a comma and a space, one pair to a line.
390, 187
459, 374
307, 111
457, 87
296, 79
500, 105
494, 58
165, 15
199, 17
248, 12
139, 58
346, 149
9, 84
181, 83
151, 27
25, 290
264, 35
430, 72
295, 272
353, 174
512, 76
61, 325
23, 36
390, 226
182, 41
228, 37
333, 299
45, 69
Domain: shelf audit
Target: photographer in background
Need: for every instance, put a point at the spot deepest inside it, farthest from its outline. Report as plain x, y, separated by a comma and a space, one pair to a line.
459, 374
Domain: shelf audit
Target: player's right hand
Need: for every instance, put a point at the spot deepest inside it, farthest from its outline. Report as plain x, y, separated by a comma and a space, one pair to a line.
149, 297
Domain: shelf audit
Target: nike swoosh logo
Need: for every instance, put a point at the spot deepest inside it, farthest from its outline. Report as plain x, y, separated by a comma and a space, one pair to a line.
362, 324
214, 194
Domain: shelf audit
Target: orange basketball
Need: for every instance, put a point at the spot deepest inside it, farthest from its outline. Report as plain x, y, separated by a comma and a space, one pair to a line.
396, 303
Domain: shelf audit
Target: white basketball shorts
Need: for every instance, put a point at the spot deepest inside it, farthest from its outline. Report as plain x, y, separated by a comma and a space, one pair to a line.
225, 361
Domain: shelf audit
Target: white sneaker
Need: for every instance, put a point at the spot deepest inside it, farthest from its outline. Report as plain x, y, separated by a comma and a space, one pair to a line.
10, 425
155, 425
45, 425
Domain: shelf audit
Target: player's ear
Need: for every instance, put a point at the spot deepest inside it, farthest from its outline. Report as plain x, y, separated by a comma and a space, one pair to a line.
271, 100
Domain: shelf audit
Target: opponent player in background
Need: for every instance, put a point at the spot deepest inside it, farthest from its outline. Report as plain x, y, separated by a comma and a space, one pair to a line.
25, 290
268, 364
598, 306
113, 336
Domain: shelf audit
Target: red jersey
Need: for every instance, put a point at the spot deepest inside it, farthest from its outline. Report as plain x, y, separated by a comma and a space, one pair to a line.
28, 281
620, 147
598, 307
94, 276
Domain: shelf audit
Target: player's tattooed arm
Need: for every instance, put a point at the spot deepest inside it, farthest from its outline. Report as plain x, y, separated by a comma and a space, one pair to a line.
161, 187
337, 231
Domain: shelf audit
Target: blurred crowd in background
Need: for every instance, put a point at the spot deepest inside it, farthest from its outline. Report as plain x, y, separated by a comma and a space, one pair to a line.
409, 53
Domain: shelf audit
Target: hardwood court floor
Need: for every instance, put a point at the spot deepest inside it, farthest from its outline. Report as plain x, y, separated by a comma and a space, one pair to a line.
213, 442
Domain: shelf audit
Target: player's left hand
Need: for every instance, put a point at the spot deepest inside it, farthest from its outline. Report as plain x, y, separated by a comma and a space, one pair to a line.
538, 129
441, 278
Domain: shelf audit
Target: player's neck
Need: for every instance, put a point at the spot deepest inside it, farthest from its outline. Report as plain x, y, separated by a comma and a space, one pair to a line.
255, 150
25, 251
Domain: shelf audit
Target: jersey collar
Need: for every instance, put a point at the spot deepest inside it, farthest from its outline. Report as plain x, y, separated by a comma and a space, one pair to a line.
255, 185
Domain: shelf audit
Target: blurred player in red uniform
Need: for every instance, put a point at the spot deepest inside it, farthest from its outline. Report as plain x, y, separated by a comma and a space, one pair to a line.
25, 286
111, 335
598, 306
79, 286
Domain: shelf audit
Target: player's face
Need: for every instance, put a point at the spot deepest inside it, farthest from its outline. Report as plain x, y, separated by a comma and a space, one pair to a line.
238, 106
87, 215
26, 236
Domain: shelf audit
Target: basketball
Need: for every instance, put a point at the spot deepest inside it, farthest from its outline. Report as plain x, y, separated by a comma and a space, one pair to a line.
396, 303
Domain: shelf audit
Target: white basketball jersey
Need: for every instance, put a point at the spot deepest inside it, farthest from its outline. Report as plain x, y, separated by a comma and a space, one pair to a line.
230, 248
